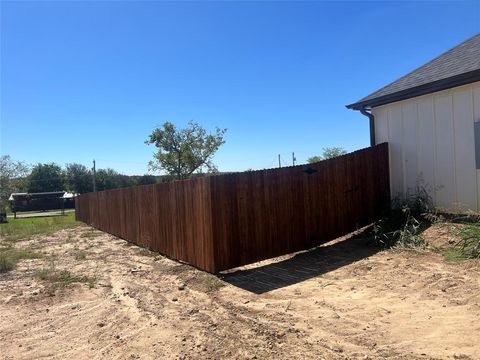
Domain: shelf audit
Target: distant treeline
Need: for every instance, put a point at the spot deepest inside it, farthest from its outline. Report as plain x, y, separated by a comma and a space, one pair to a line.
16, 176
75, 178
78, 178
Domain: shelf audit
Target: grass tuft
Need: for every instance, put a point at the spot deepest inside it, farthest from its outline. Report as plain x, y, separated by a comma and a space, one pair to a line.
91, 234
9, 257
469, 246
213, 283
63, 278
6, 264
147, 252
80, 254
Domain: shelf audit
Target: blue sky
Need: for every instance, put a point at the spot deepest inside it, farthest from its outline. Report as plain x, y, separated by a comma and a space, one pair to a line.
90, 80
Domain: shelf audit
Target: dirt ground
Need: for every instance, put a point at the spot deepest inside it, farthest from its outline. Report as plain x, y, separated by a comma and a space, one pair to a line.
344, 300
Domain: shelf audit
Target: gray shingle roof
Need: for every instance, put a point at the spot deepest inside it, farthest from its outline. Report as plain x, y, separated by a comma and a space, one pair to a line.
460, 64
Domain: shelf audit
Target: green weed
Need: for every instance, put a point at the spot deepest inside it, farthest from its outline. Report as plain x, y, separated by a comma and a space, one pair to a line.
147, 252
213, 283
63, 278
403, 227
469, 246
9, 257
91, 234
6, 263
79, 254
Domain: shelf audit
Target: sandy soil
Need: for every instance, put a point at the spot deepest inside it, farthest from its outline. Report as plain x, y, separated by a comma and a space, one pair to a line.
344, 300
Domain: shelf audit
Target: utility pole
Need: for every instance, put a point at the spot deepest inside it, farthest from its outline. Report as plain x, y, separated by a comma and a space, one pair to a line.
94, 180
293, 158
279, 162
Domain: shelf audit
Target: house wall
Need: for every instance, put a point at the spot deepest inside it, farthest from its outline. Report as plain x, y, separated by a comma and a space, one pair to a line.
432, 144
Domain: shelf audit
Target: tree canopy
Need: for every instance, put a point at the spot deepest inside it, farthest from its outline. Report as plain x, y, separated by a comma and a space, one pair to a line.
46, 177
182, 152
146, 179
327, 153
12, 178
331, 152
16, 176
78, 179
314, 159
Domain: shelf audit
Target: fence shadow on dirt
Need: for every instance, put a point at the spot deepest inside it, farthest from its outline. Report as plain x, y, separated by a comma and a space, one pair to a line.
303, 266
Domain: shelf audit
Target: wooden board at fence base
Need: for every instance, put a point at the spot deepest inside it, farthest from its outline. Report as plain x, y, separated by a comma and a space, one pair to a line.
220, 222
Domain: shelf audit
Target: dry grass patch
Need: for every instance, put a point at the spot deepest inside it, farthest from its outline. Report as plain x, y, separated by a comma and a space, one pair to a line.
79, 254
212, 283
91, 234
63, 278
9, 257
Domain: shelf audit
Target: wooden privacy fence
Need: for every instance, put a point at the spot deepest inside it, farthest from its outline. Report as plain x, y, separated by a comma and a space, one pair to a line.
220, 222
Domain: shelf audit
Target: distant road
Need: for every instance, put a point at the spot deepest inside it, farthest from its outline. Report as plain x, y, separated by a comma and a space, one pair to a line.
39, 214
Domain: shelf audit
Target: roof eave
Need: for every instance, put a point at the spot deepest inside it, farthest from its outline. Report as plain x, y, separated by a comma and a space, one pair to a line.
443, 84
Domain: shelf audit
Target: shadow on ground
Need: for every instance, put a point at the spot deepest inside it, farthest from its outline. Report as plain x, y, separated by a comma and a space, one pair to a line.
302, 266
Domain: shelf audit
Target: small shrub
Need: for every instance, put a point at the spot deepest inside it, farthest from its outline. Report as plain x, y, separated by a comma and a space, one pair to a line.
469, 246
404, 225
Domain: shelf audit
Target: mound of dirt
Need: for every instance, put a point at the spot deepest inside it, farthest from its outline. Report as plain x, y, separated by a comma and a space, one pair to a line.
442, 235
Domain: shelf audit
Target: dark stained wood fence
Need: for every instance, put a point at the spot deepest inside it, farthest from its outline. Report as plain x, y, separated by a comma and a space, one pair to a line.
220, 222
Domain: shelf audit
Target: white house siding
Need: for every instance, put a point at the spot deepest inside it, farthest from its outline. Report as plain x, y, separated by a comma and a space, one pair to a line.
432, 145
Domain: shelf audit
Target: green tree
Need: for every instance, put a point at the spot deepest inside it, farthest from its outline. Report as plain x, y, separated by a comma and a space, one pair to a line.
331, 152
182, 152
110, 179
124, 180
147, 179
79, 178
12, 178
107, 179
46, 177
314, 159
327, 153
